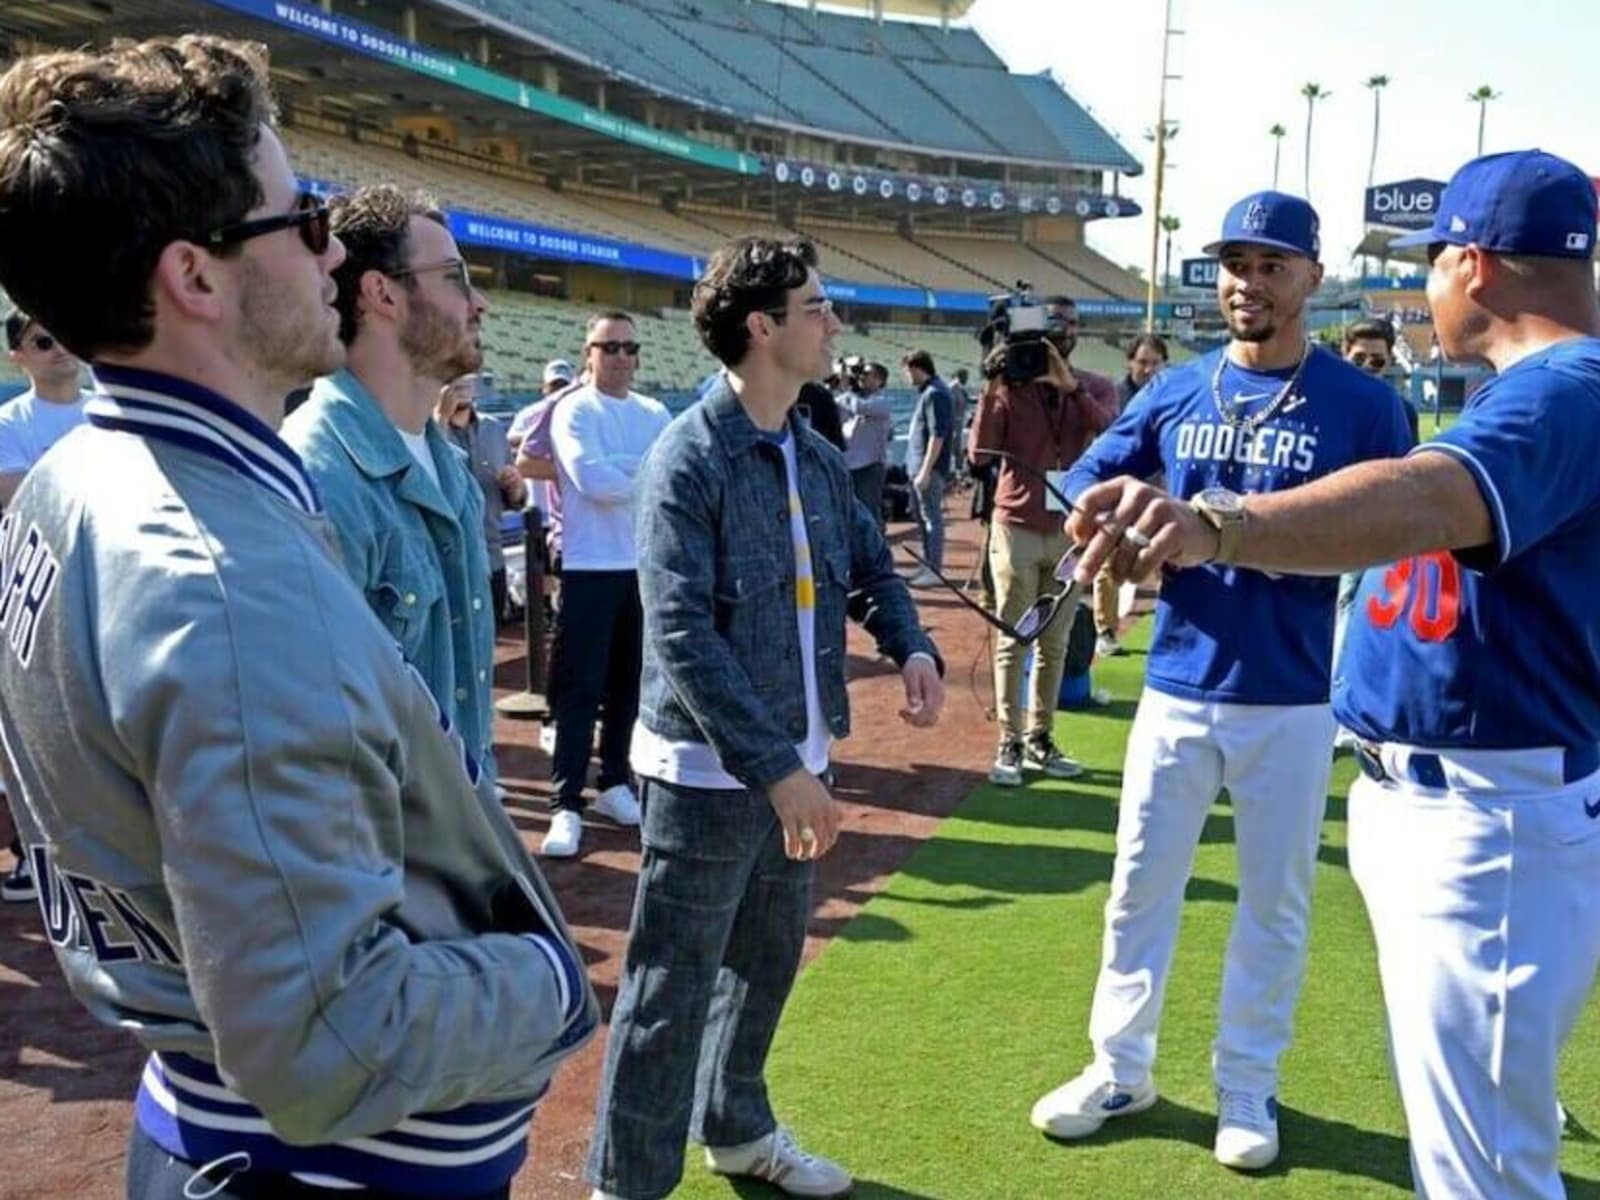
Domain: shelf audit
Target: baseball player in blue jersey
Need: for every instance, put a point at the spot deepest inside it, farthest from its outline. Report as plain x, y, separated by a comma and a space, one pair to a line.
1469, 675
1236, 690
260, 847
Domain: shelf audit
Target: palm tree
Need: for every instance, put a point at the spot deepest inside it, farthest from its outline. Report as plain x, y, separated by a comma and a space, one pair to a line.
1169, 225
1278, 132
1481, 98
1377, 83
1312, 92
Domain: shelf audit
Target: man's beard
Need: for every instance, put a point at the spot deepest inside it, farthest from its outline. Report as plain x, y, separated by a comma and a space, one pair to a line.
280, 338
1261, 333
434, 347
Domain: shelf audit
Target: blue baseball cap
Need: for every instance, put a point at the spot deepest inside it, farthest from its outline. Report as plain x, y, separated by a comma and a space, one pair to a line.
1522, 202
1273, 219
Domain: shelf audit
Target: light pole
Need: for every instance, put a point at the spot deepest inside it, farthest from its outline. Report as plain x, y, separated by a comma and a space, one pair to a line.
1163, 132
1481, 98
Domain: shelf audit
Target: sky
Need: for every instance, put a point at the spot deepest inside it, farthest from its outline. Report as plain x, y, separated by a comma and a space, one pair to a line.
1243, 63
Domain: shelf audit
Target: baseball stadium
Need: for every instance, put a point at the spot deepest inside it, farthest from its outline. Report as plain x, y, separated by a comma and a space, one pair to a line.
590, 157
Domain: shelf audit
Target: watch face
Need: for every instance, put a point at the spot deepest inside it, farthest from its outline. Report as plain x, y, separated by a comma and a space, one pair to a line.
1221, 500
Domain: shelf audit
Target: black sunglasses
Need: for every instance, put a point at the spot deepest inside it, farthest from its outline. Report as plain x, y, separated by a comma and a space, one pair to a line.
1373, 362
631, 349
1041, 614
1033, 623
42, 342
310, 217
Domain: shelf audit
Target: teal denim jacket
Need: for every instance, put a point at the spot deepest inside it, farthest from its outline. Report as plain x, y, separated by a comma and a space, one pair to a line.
415, 549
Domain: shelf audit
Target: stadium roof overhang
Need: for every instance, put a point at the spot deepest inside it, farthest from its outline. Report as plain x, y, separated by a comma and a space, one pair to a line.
315, 75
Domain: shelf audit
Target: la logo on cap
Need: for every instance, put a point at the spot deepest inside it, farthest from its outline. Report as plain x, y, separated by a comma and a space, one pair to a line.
1255, 217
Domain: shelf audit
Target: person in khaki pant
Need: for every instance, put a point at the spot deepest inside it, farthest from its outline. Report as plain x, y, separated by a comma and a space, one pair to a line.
1040, 426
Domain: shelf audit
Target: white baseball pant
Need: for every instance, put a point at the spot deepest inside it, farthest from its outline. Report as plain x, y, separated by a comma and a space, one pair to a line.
1485, 905
1275, 762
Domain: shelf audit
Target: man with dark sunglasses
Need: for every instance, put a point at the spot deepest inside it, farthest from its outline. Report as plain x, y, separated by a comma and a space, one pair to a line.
401, 496
600, 433
261, 849
1369, 344
51, 408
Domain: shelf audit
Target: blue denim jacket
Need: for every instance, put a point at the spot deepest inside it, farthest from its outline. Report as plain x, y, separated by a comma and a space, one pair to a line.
416, 550
717, 579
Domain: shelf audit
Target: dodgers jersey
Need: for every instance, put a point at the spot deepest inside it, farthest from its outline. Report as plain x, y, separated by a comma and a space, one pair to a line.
1497, 647
1224, 633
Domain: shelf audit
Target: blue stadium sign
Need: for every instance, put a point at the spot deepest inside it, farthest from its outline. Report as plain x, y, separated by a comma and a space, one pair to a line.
562, 245
1200, 272
1409, 204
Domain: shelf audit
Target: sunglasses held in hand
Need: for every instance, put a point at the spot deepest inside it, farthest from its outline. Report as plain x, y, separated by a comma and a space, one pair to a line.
1041, 614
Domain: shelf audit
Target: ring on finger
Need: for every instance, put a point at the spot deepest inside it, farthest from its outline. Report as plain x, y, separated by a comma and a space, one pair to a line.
1135, 538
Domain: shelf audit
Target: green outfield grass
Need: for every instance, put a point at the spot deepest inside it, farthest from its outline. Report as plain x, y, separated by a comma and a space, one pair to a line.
915, 1045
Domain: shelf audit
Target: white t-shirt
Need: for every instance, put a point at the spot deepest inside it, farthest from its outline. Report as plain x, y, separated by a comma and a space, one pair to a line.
29, 426
695, 764
417, 443
600, 442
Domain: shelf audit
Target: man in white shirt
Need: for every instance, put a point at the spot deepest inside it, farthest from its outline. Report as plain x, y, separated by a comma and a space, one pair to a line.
600, 433
51, 408
29, 425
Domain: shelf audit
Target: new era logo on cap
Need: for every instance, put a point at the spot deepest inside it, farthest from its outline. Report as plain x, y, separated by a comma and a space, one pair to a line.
1457, 225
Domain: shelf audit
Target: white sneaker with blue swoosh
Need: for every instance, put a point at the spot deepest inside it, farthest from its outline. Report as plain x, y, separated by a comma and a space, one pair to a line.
1247, 1130
1080, 1106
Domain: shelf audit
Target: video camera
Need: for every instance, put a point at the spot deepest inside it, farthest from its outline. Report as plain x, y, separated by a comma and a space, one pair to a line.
1018, 324
851, 372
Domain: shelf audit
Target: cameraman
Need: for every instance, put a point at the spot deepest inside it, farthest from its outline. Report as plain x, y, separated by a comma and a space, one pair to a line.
868, 417
1046, 422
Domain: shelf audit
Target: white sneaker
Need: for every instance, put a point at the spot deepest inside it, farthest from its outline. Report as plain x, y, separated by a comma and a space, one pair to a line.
619, 803
1007, 769
924, 578
1080, 1106
778, 1159
1107, 646
566, 834
1247, 1130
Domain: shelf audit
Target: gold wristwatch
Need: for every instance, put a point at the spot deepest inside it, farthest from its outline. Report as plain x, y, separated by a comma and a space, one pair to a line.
1223, 511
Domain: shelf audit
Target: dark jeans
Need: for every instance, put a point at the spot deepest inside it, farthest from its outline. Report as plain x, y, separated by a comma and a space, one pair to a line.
719, 921
867, 483
497, 590
153, 1174
594, 661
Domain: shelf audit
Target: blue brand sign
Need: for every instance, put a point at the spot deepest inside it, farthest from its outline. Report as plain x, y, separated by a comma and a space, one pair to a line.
1200, 272
1409, 204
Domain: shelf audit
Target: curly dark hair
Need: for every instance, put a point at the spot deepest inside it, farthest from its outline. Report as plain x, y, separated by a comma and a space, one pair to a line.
746, 275
109, 156
374, 223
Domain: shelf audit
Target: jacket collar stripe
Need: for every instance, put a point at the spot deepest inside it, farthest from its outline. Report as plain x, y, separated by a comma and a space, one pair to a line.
151, 414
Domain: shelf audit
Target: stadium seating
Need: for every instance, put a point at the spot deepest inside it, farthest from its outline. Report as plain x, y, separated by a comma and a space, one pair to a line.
827, 71
857, 254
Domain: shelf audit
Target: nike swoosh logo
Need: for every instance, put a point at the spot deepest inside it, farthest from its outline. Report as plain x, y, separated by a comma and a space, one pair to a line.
1249, 397
1591, 808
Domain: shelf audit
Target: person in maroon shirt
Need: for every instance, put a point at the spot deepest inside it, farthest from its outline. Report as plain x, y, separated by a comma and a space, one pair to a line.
1046, 423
